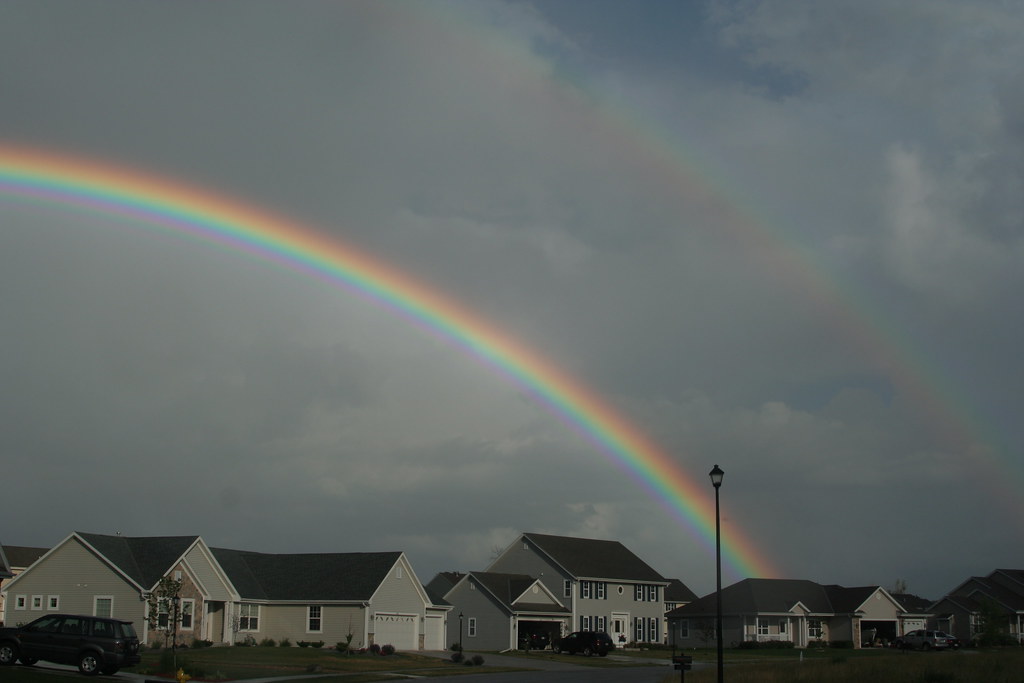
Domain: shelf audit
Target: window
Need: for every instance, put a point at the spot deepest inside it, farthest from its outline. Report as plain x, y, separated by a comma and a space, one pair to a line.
643, 592
20, 601
601, 592
652, 630
585, 623
471, 629
814, 628
684, 628
586, 589
248, 617
53, 603
102, 606
314, 624
566, 588
37, 602
762, 627
398, 572
783, 626
177, 575
600, 623
652, 594
638, 629
163, 615
188, 608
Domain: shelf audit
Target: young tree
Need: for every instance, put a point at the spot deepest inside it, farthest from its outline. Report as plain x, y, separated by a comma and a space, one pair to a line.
164, 608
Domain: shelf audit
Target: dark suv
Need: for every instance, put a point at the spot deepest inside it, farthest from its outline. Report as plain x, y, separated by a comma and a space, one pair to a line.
587, 642
95, 644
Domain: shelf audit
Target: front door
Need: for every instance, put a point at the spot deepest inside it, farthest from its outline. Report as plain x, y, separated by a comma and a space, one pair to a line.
619, 628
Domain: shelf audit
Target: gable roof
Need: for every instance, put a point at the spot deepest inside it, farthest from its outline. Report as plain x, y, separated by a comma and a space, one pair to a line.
677, 591
594, 559
144, 560
19, 556
848, 600
315, 576
762, 596
5, 572
507, 589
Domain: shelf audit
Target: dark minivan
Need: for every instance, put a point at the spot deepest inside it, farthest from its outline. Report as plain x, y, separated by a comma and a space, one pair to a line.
95, 644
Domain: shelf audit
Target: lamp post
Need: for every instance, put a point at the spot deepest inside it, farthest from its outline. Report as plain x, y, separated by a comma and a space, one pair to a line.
460, 632
716, 481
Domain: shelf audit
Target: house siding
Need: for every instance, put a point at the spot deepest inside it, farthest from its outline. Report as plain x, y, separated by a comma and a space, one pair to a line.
493, 623
290, 621
76, 576
516, 560
207, 576
399, 593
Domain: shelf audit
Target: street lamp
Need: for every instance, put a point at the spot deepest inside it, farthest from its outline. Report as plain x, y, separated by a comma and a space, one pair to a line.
716, 481
460, 632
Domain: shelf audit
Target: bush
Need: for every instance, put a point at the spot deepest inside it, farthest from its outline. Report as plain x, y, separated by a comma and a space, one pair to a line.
318, 644
302, 643
285, 642
267, 642
387, 649
478, 660
197, 643
456, 657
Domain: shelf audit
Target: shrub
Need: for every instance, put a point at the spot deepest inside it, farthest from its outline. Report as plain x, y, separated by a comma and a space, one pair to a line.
387, 649
267, 642
456, 657
341, 647
455, 647
478, 660
302, 643
197, 643
318, 644
766, 645
285, 642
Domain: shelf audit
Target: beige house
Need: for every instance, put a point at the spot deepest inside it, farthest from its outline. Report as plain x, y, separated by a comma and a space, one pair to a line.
796, 611
233, 596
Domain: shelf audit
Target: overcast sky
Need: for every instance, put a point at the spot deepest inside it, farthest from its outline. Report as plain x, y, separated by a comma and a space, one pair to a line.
786, 238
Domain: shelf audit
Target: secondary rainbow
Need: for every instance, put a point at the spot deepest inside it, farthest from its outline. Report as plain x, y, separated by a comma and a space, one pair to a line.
32, 175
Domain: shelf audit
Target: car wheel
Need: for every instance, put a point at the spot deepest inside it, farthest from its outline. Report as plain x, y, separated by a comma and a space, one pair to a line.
89, 663
8, 654
587, 652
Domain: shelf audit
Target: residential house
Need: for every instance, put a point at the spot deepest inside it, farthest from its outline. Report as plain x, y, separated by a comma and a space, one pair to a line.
801, 612
15, 559
496, 611
604, 586
1000, 595
232, 596
677, 594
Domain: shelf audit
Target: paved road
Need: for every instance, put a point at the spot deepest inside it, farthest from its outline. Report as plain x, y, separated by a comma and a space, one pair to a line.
548, 671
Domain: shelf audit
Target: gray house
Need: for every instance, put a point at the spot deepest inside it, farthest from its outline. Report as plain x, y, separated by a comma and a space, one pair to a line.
1000, 595
797, 611
495, 611
232, 596
603, 585
15, 559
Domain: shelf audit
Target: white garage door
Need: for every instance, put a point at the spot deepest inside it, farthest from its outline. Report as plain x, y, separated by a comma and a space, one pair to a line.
433, 636
396, 629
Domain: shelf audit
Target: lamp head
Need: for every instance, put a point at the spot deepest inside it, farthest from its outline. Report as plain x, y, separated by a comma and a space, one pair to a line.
716, 476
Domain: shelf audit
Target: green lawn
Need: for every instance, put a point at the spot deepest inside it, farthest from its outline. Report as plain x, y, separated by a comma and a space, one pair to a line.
234, 663
856, 666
